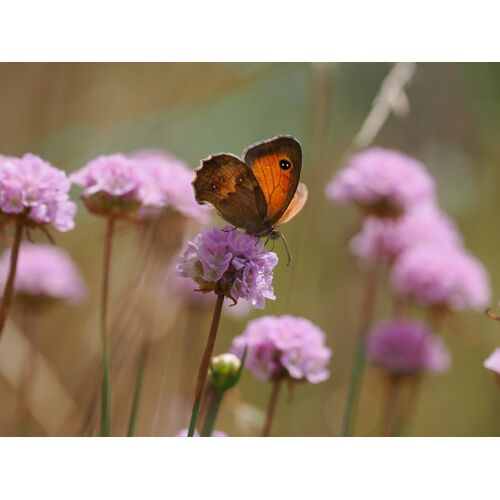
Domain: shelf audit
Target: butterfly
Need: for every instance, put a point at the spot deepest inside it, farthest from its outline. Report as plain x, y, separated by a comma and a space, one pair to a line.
259, 192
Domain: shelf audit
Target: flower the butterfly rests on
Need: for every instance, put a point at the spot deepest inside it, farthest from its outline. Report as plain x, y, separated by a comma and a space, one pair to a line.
257, 193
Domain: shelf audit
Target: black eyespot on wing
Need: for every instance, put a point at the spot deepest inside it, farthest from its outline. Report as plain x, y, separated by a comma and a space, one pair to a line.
285, 164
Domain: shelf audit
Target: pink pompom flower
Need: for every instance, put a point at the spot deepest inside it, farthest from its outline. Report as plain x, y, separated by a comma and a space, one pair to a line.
230, 263
36, 193
402, 347
44, 272
116, 186
383, 182
442, 276
385, 239
284, 347
172, 178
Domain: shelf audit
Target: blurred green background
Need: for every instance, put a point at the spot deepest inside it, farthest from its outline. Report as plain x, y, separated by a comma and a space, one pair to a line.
70, 113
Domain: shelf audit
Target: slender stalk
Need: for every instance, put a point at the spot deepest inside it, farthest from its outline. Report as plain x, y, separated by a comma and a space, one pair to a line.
212, 412
134, 412
391, 416
358, 366
106, 382
205, 363
8, 291
271, 407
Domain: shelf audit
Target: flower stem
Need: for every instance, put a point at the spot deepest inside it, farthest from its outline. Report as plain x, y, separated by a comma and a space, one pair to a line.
8, 291
106, 382
213, 410
392, 405
358, 366
134, 412
205, 363
271, 407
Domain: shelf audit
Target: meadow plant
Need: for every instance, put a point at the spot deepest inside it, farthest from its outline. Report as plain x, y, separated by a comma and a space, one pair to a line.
283, 348
115, 188
33, 195
230, 264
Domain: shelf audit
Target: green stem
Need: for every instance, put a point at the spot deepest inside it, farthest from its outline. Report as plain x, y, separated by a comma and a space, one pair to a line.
212, 413
134, 412
106, 378
358, 366
8, 291
205, 363
271, 407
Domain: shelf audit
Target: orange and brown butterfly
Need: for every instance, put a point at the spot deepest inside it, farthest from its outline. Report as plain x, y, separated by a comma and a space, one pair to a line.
259, 192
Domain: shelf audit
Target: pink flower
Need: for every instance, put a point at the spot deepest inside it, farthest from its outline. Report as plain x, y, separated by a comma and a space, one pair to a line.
382, 181
493, 361
116, 185
406, 347
443, 276
284, 346
385, 239
44, 271
173, 180
33, 187
232, 263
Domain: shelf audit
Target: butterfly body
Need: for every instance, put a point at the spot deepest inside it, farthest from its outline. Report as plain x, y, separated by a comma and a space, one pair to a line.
260, 191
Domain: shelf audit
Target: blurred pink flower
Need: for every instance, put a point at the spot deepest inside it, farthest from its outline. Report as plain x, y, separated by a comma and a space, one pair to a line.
184, 433
116, 185
31, 186
382, 181
284, 346
443, 276
384, 239
493, 361
173, 180
44, 271
403, 347
232, 263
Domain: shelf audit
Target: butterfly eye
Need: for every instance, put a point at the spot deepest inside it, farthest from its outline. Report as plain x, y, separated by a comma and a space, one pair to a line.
285, 164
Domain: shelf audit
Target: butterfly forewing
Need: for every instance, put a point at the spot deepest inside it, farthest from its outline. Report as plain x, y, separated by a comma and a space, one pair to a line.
276, 164
229, 185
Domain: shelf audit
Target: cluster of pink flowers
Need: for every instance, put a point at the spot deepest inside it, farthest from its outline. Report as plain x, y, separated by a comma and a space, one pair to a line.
232, 263
172, 179
138, 186
35, 190
44, 271
423, 245
403, 347
284, 347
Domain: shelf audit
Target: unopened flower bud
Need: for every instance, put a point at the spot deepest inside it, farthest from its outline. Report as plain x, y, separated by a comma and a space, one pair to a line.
225, 371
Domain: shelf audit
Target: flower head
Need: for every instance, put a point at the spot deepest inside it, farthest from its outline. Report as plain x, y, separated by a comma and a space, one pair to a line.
493, 361
385, 239
442, 276
404, 347
116, 185
45, 272
173, 180
33, 189
383, 182
231, 263
284, 346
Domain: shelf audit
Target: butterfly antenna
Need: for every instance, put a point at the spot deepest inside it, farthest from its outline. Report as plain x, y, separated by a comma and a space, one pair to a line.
287, 248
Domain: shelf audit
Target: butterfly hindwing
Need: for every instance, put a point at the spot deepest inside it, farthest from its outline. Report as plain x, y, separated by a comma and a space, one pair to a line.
295, 206
225, 182
276, 164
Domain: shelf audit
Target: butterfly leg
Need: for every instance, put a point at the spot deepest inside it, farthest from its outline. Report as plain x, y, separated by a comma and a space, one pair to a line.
228, 230
287, 248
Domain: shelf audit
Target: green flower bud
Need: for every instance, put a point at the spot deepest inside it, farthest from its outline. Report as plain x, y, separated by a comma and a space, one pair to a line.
225, 370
